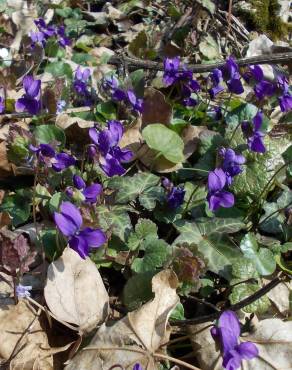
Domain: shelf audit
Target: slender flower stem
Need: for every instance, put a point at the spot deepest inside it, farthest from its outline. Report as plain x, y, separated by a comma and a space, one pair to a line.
237, 306
189, 200
273, 213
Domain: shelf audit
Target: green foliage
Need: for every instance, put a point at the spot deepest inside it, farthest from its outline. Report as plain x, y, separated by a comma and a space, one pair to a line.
262, 257
115, 219
165, 141
156, 253
59, 69
142, 185
46, 134
17, 206
138, 290
216, 248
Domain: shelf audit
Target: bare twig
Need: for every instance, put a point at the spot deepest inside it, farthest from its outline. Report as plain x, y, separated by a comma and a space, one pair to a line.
237, 306
277, 58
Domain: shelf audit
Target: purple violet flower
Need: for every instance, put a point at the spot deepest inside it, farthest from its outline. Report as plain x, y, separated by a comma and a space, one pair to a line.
171, 67
137, 366
61, 161
69, 222
231, 74
62, 39
216, 78
22, 291
2, 104
217, 197
227, 332
263, 89
254, 73
137, 104
30, 101
80, 81
231, 163
90, 192
175, 197
111, 154
254, 134
285, 102
43, 150
61, 104
37, 38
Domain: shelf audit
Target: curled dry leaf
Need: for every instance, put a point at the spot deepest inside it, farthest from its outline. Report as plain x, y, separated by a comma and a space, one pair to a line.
155, 108
21, 335
75, 292
273, 338
136, 337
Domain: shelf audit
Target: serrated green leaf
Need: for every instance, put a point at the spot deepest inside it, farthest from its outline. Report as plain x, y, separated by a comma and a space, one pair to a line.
138, 290
242, 291
45, 134
116, 219
262, 258
146, 228
129, 188
156, 253
164, 141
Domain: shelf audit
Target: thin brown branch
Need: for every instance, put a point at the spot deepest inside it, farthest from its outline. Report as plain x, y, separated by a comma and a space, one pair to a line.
132, 63
237, 306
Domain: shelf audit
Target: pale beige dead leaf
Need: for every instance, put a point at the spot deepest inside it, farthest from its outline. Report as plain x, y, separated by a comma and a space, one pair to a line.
75, 292
21, 332
136, 337
273, 338
280, 297
23, 18
132, 137
155, 108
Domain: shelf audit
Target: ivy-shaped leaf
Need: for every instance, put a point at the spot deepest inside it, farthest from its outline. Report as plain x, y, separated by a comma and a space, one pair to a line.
17, 206
115, 219
129, 188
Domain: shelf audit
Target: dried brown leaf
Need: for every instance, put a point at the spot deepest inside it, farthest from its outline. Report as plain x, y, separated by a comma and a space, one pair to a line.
22, 335
75, 292
136, 337
155, 108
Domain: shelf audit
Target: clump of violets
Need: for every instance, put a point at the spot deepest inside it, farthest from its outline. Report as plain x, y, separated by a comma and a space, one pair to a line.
174, 73
221, 178
47, 155
228, 73
227, 333
45, 32
106, 142
30, 101
253, 133
69, 222
111, 84
174, 194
